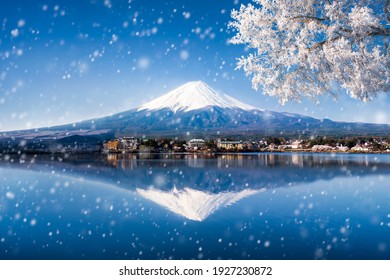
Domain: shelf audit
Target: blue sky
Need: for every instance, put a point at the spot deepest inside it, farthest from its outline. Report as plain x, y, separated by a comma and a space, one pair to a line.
64, 61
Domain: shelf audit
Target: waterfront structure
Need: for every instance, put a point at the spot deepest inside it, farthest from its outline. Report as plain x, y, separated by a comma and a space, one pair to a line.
361, 148
127, 144
123, 144
111, 146
196, 144
230, 145
322, 148
297, 144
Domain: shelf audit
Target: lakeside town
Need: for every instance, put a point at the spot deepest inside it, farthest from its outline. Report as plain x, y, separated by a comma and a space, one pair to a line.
127, 144
270, 144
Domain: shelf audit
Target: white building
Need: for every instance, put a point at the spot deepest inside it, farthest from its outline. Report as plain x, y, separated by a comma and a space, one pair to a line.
342, 148
196, 143
230, 145
128, 144
360, 148
322, 148
296, 144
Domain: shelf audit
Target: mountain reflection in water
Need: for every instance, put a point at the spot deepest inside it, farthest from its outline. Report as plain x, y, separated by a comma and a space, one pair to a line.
213, 173
191, 206
194, 204
194, 186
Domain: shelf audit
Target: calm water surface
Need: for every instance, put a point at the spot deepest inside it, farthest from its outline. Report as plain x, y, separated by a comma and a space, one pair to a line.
252, 206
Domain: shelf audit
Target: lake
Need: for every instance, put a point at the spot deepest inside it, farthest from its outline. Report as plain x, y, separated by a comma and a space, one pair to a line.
188, 206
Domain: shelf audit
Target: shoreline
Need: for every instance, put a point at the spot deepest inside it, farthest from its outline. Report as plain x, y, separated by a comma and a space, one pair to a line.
248, 152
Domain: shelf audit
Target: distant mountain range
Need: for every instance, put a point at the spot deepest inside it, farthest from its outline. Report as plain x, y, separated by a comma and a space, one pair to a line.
197, 110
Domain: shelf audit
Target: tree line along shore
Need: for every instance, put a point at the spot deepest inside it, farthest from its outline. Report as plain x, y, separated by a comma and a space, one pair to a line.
269, 144
89, 144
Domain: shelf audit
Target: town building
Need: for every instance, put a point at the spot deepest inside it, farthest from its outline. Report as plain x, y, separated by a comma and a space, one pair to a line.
111, 146
361, 148
230, 145
343, 149
297, 144
272, 147
196, 144
123, 144
322, 148
127, 144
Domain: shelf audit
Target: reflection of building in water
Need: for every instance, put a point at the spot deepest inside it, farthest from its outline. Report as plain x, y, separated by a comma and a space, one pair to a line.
112, 159
225, 161
196, 144
230, 145
123, 161
195, 162
263, 158
128, 164
297, 159
271, 159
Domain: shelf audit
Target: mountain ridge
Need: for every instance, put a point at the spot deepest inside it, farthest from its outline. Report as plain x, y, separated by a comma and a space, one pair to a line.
197, 110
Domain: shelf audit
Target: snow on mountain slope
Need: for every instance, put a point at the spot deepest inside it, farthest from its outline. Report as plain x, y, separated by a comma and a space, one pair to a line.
198, 110
194, 204
193, 96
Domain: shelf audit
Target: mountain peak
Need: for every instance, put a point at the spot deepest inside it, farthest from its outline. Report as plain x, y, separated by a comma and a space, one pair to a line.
193, 96
196, 83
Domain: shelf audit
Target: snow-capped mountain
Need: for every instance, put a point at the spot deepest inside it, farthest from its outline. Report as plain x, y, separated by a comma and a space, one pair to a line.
193, 204
194, 96
197, 110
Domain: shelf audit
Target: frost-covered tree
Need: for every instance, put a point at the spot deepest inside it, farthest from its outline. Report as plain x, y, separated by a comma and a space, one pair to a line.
310, 47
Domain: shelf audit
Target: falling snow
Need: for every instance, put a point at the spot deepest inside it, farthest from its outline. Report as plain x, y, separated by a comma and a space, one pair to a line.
79, 60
